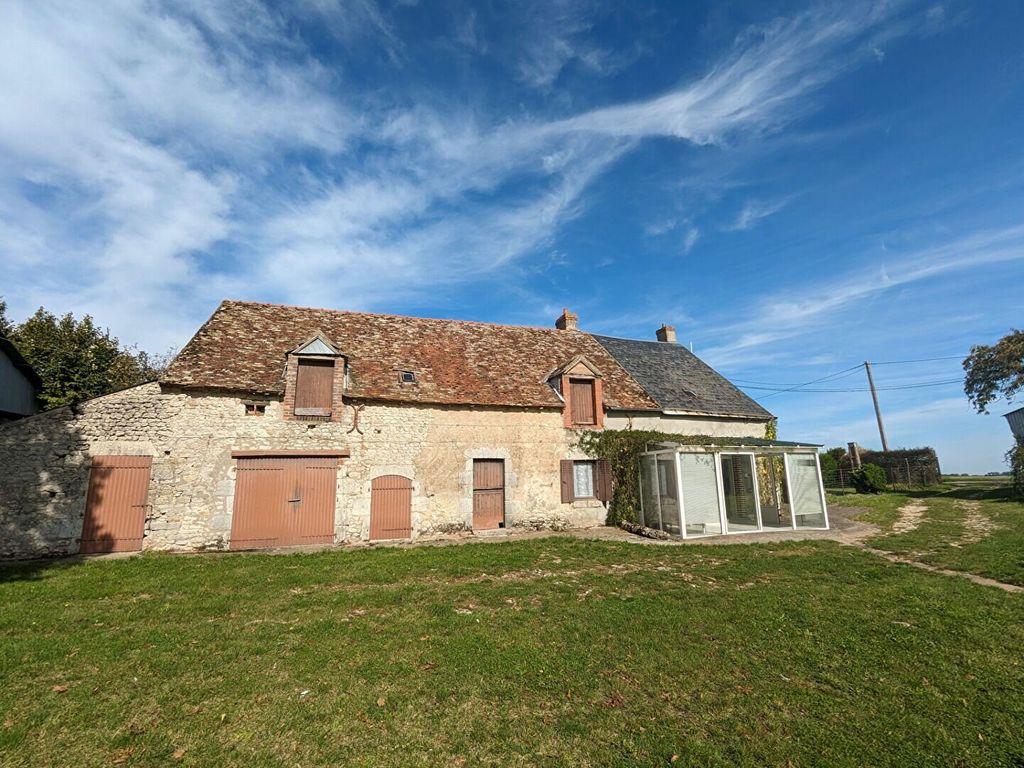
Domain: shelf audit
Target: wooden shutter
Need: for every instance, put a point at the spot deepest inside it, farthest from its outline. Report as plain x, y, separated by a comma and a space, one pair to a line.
314, 387
581, 399
603, 479
568, 488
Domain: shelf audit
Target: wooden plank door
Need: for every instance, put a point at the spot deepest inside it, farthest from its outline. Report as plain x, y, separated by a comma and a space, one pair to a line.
390, 507
116, 503
488, 494
284, 501
309, 516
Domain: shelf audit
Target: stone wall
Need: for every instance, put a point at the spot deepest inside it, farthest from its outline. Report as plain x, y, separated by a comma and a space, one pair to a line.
44, 463
686, 425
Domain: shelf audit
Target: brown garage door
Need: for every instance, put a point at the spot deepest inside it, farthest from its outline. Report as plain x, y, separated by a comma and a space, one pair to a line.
283, 501
115, 505
390, 507
488, 494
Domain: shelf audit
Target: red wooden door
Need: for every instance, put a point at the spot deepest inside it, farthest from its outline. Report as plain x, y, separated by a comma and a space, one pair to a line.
488, 494
284, 501
390, 507
116, 503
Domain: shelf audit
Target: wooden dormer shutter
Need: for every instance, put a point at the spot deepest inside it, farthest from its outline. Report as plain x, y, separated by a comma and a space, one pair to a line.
314, 387
581, 398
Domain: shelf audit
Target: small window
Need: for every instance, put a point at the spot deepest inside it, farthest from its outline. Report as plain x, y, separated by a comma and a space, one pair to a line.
583, 479
255, 409
407, 377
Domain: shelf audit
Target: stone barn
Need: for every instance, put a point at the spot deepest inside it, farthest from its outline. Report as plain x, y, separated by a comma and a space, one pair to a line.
280, 425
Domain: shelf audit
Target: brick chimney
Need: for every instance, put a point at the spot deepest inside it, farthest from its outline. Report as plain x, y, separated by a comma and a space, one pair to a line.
566, 321
666, 333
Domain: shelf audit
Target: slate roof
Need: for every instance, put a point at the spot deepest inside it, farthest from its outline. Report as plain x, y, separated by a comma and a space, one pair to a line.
19, 362
242, 348
678, 380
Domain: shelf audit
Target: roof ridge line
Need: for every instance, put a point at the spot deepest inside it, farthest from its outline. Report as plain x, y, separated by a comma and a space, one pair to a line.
402, 317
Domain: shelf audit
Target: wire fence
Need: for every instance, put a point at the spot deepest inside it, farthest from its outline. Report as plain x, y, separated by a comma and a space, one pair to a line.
905, 473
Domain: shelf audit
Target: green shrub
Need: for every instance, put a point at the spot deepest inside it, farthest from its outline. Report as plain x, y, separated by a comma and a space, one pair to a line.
870, 478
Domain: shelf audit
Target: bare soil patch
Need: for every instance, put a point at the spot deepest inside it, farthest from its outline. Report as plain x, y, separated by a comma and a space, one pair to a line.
910, 517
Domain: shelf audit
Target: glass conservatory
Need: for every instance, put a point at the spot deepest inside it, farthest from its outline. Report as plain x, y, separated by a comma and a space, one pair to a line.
710, 490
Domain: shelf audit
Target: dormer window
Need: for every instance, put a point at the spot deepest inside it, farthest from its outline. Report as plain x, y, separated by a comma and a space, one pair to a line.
578, 384
314, 387
582, 403
407, 377
317, 373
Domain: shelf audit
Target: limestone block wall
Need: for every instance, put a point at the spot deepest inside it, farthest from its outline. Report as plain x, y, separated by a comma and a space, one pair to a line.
44, 465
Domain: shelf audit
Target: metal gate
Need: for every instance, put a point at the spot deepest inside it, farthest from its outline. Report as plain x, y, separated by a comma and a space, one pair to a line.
284, 501
390, 507
488, 494
115, 505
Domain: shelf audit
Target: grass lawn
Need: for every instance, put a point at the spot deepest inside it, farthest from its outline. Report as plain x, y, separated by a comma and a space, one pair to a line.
545, 652
973, 527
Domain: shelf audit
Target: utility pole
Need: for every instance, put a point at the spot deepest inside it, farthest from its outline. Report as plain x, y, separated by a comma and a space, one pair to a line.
878, 411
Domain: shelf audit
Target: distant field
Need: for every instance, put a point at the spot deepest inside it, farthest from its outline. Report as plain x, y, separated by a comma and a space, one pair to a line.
976, 480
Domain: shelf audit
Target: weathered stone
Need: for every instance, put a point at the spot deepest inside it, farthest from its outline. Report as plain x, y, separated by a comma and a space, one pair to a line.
191, 436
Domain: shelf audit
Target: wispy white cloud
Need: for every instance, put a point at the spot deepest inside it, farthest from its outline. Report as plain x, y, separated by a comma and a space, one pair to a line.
690, 239
156, 135
753, 211
801, 310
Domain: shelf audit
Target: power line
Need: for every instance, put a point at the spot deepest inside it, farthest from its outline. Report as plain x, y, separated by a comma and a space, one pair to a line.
921, 360
816, 381
842, 375
918, 385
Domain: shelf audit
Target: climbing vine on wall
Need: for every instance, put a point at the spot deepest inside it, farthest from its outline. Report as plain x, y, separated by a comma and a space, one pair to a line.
622, 449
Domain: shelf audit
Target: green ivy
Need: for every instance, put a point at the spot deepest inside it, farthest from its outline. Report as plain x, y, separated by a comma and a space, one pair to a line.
622, 449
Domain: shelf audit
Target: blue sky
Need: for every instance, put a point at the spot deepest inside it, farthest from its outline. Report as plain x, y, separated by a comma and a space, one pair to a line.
797, 188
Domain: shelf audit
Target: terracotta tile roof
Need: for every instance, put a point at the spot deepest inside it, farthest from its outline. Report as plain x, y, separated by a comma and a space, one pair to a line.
242, 348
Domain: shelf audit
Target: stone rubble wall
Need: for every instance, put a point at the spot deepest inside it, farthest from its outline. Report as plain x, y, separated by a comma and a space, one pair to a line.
44, 464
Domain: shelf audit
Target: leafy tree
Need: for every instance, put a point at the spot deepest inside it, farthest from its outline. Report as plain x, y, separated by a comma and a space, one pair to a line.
829, 468
76, 360
5, 324
995, 370
1015, 458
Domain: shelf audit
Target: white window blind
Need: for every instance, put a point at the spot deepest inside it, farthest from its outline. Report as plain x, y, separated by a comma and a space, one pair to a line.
700, 493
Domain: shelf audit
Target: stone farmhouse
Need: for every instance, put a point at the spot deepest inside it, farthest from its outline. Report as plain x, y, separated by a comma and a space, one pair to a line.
280, 425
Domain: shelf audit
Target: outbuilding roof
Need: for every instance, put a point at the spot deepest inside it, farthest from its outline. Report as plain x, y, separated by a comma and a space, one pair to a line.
678, 380
242, 347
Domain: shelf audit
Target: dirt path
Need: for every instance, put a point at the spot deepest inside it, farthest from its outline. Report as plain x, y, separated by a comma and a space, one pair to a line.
976, 525
983, 580
911, 515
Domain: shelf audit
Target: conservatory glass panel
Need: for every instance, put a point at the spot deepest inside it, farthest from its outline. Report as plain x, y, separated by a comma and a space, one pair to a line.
805, 493
700, 494
738, 485
648, 492
771, 486
668, 493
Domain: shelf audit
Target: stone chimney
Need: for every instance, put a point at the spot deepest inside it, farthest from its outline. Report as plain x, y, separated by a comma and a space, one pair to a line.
666, 333
566, 321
